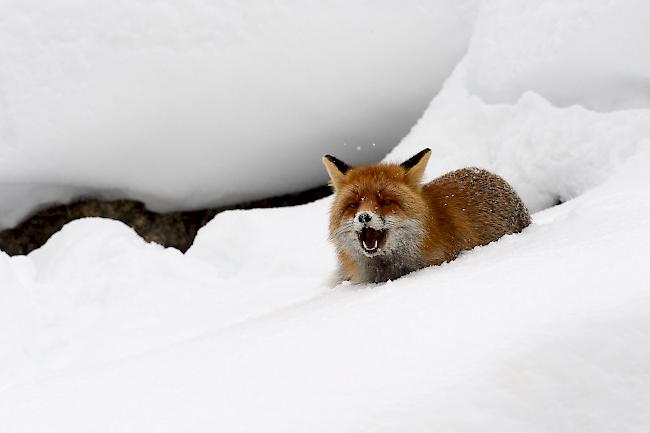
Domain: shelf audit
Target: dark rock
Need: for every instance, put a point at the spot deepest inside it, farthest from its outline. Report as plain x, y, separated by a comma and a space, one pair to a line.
173, 229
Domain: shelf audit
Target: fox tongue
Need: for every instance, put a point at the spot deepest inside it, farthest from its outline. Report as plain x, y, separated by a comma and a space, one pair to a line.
370, 238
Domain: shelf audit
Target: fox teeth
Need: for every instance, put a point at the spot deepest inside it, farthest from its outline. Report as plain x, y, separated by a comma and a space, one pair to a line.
365, 245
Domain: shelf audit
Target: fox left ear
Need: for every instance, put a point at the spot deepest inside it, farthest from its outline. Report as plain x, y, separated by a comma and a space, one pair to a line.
336, 169
415, 166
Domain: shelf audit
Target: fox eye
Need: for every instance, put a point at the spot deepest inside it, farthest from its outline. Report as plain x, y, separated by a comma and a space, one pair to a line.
353, 205
386, 202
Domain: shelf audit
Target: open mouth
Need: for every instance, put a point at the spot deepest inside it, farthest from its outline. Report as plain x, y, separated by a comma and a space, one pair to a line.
371, 239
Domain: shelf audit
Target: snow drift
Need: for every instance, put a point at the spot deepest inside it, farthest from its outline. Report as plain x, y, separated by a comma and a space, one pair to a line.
542, 331
500, 109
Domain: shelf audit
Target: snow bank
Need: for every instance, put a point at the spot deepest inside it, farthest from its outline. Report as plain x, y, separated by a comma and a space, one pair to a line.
96, 291
509, 105
594, 54
203, 103
542, 331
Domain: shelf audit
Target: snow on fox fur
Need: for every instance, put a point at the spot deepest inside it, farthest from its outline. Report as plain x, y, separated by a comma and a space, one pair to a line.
385, 223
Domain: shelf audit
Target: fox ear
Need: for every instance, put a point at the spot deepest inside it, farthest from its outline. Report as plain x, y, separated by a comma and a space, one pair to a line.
415, 166
336, 169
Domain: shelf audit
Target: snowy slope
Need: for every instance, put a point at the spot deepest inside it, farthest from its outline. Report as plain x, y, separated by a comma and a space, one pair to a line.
156, 101
544, 331
500, 108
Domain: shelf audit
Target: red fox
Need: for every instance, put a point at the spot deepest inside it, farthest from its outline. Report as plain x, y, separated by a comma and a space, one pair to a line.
385, 223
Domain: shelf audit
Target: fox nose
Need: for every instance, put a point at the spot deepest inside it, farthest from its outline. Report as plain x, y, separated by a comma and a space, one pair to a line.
364, 217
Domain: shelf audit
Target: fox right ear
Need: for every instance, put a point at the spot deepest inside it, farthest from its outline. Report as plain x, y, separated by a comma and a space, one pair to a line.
415, 166
336, 169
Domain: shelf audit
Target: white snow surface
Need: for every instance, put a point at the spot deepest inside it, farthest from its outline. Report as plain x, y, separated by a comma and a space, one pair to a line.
543, 331
189, 104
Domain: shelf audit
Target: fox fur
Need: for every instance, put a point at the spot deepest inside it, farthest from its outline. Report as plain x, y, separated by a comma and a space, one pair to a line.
384, 223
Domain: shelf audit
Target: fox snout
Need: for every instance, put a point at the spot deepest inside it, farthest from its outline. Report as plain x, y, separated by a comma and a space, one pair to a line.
364, 217
367, 219
370, 231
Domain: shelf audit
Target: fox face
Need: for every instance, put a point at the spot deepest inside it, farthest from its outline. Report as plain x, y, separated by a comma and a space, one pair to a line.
377, 218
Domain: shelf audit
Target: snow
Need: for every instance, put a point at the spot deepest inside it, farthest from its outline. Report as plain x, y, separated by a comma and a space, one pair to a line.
542, 331
588, 53
176, 104
524, 104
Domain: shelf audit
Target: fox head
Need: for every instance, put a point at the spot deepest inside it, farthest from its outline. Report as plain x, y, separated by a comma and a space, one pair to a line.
378, 210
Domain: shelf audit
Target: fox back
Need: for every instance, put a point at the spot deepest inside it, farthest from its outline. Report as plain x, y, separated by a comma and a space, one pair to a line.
385, 223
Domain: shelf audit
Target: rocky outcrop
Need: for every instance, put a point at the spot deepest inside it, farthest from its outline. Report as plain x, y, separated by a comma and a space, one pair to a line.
173, 229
